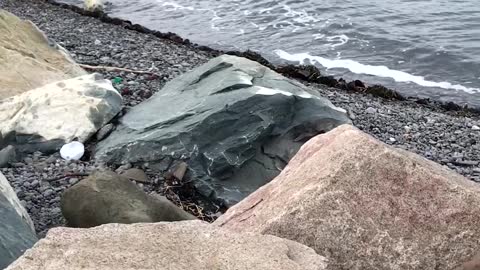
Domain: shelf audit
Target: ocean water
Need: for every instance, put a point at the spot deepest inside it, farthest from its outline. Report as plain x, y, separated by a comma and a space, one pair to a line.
423, 48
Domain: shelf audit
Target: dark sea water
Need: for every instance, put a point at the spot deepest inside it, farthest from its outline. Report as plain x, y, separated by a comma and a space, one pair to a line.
425, 48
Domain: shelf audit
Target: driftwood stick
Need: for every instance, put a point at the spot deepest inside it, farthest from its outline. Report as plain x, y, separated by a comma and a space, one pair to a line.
107, 68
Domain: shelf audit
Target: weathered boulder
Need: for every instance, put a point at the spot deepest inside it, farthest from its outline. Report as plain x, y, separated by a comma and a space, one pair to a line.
472, 264
105, 197
28, 59
235, 122
17, 233
178, 245
365, 205
44, 119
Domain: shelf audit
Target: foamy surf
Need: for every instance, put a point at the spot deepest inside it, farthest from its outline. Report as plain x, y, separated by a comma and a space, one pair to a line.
379, 71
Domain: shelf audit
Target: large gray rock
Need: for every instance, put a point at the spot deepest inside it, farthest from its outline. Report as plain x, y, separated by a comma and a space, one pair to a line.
28, 59
16, 228
235, 122
47, 117
105, 197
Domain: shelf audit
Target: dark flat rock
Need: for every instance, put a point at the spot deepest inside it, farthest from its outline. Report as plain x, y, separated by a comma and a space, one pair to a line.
235, 122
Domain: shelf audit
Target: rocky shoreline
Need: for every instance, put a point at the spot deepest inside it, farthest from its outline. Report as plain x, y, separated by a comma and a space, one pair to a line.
306, 73
313, 169
449, 137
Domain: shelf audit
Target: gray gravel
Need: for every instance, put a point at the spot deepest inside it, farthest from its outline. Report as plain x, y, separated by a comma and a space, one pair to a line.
41, 197
449, 138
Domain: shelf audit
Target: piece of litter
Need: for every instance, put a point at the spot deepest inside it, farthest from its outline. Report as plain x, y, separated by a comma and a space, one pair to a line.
72, 151
393, 140
474, 127
117, 80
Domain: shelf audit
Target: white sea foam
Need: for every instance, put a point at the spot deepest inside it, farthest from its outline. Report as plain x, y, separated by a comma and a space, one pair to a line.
299, 16
340, 39
318, 36
175, 6
380, 71
265, 10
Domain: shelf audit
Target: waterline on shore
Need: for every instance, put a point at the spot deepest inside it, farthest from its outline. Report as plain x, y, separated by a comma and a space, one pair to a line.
380, 71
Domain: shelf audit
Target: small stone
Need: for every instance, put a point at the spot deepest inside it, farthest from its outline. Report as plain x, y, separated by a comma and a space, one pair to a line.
24, 203
137, 175
48, 193
371, 110
35, 183
72, 166
28, 160
56, 211
18, 165
105, 131
146, 94
51, 160
40, 166
351, 114
123, 168
180, 170
44, 187
7, 155
73, 181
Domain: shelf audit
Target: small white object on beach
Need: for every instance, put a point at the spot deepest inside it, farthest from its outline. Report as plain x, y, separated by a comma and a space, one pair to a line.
392, 140
475, 127
72, 151
93, 5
